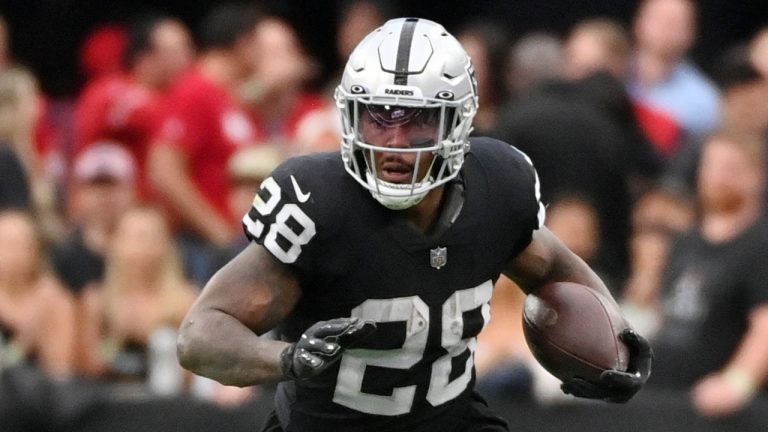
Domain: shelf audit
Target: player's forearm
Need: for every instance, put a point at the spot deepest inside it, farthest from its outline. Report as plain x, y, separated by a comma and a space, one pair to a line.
547, 260
247, 297
215, 345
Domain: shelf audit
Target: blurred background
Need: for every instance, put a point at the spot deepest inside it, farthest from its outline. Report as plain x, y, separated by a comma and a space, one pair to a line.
47, 34
134, 135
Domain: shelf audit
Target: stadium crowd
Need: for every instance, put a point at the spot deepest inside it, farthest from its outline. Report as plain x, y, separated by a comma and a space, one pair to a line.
116, 209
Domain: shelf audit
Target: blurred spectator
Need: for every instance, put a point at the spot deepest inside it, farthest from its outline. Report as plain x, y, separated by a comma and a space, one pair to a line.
356, 19
575, 221
102, 53
597, 45
123, 107
33, 124
285, 112
203, 125
640, 161
600, 45
14, 187
247, 169
534, 59
19, 116
714, 301
665, 30
758, 51
143, 290
6, 56
487, 43
502, 358
658, 218
36, 313
667, 211
744, 94
578, 149
102, 189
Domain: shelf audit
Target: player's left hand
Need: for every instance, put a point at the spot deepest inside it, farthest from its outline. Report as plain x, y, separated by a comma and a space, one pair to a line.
618, 386
321, 345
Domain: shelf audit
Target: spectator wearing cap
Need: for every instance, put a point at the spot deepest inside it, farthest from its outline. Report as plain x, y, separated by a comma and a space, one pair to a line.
102, 188
102, 52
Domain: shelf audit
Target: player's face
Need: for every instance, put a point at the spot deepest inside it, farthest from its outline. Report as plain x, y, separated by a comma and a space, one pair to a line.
400, 128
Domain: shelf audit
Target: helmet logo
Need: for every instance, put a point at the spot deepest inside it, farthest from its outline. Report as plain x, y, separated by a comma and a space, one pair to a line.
398, 92
445, 95
357, 89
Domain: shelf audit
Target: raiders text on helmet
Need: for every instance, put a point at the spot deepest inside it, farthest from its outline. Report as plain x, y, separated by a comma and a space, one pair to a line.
412, 68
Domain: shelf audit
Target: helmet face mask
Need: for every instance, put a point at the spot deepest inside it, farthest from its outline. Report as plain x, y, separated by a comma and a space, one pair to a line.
406, 120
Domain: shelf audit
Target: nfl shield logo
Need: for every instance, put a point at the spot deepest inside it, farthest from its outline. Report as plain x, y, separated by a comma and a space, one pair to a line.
438, 257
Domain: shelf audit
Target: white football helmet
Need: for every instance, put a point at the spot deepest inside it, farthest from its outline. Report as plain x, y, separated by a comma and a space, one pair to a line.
408, 70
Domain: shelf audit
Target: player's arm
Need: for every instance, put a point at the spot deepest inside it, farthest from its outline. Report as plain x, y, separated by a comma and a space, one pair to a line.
170, 177
220, 336
545, 260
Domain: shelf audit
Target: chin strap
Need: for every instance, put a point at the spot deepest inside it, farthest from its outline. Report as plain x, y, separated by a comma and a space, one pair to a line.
396, 196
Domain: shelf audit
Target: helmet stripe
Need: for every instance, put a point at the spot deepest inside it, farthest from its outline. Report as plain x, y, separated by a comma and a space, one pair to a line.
404, 51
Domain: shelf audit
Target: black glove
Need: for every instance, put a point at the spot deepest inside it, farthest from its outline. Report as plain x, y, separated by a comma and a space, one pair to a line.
321, 345
617, 386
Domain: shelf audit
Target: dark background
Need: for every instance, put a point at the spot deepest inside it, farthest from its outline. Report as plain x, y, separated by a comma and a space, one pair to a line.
47, 33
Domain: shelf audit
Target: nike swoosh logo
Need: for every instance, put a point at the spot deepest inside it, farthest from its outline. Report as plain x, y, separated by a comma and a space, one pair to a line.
302, 197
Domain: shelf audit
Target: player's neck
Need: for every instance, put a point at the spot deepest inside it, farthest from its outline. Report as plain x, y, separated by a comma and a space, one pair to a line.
424, 214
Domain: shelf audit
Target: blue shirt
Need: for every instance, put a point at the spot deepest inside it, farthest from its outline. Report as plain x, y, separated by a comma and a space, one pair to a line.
687, 95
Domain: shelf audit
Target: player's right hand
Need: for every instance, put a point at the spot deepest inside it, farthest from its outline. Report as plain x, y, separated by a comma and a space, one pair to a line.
322, 345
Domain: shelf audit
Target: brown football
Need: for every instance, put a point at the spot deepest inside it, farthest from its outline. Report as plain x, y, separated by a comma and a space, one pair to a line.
573, 331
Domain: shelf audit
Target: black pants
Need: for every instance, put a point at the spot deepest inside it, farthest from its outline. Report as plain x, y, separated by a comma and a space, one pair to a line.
478, 418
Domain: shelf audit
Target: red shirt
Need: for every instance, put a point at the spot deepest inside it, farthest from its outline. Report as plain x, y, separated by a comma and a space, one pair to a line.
205, 122
663, 131
285, 130
117, 108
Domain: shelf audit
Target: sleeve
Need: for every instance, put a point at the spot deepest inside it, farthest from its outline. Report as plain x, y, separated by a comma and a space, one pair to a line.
284, 213
516, 192
534, 211
534, 188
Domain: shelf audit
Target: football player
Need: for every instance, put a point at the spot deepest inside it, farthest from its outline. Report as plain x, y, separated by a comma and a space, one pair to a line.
376, 263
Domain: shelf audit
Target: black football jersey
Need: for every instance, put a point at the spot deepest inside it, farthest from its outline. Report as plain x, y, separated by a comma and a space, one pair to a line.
428, 292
